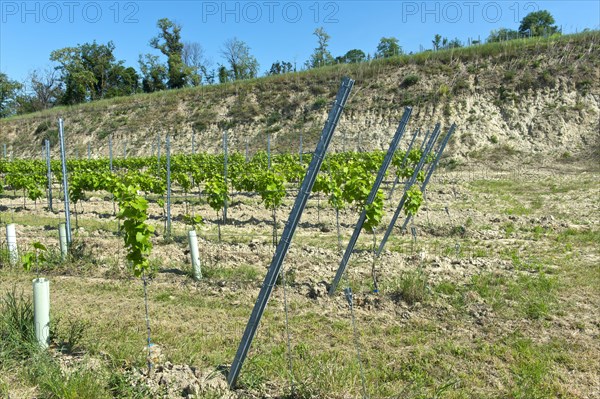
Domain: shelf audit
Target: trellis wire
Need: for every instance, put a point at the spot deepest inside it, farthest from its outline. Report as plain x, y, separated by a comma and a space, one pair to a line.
348, 294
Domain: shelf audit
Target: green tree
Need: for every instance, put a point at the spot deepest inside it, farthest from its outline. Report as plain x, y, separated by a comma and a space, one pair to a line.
41, 91
154, 73
242, 64
100, 60
321, 56
437, 41
280, 67
89, 72
169, 43
502, 34
79, 80
352, 56
538, 23
8, 94
388, 47
124, 81
223, 74
455, 43
193, 57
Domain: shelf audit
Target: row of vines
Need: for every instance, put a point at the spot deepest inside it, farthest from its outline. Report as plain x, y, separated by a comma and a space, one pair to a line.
345, 179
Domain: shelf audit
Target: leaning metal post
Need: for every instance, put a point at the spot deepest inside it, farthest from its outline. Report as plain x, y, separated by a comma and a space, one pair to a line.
432, 168
408, 185
288, 231
363, 215
63, 158
397, 179
48, 173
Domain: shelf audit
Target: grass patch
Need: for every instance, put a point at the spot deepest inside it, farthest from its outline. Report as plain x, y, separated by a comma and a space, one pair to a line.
241, 273
529, 295
411, 287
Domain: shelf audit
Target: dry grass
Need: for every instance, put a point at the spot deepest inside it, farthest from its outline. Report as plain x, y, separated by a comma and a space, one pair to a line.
508, 314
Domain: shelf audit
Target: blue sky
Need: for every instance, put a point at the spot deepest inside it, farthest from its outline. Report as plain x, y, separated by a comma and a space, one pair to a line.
274, 29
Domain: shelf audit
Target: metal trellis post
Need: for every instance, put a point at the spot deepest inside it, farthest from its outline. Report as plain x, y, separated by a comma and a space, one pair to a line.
407, 186
397, 179
63, 158
432, 168
269, 150
363, 215
300, 149
193, 141
168, 153
225, 160
48, 173
158, 154
424, 140
110, 153
288, 231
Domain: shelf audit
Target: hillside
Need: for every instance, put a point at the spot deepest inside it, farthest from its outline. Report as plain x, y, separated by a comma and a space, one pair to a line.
539, 96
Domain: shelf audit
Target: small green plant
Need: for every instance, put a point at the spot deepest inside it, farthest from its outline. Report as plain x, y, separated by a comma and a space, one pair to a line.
414, 199
29, 259
412, 287
509, 229
136, 232
443, 90
193, 221
216, 196
69, 337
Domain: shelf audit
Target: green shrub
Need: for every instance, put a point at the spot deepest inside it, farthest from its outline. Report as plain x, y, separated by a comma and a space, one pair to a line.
42, 127
410, 80
319, 103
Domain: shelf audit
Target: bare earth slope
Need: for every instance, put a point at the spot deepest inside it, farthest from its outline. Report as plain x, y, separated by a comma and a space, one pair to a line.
534, 96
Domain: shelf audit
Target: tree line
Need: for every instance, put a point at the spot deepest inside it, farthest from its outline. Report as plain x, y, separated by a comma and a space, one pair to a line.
90, 71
